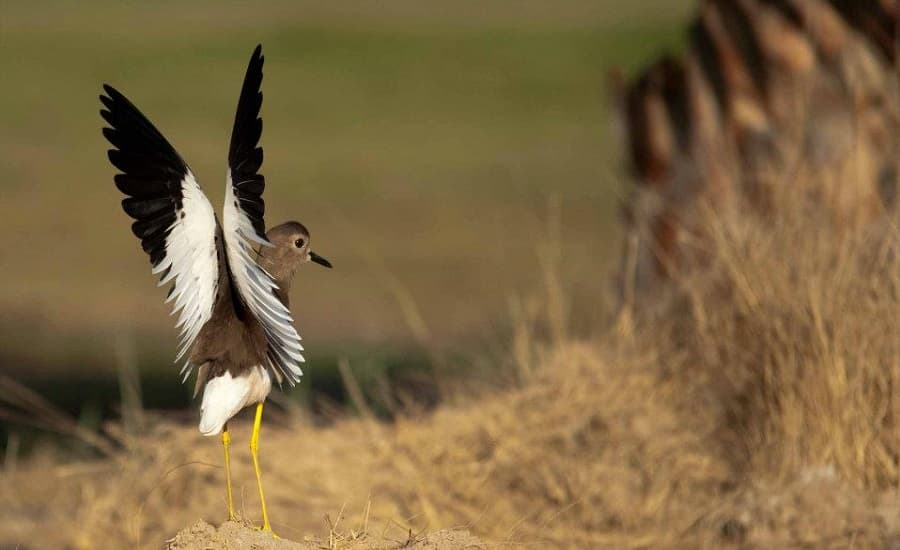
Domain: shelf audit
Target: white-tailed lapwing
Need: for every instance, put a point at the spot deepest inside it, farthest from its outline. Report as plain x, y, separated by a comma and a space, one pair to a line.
230, 280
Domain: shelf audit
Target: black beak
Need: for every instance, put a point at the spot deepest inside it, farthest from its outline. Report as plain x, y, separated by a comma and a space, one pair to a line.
319, 259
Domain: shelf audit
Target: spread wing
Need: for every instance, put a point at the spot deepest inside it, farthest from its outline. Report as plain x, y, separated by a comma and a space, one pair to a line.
173, 218
243, 224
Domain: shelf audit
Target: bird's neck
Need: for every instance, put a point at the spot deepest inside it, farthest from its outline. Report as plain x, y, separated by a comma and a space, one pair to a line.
280, 271
283, 292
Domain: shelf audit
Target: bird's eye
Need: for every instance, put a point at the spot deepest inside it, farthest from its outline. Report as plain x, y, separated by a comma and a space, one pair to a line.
299, 243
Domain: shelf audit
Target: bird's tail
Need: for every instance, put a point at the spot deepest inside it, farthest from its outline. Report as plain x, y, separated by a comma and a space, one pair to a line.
224, 396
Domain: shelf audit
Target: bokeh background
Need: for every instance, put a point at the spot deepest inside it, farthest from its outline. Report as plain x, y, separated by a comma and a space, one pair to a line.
477, 358
434, 150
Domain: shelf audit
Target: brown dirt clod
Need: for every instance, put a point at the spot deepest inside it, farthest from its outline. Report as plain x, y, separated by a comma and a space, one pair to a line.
233, 535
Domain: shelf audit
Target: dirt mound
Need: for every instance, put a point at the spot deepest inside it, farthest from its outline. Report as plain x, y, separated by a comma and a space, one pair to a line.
231, 536
238, 536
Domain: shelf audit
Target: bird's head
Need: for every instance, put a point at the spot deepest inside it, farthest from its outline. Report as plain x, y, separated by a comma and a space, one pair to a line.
290, 249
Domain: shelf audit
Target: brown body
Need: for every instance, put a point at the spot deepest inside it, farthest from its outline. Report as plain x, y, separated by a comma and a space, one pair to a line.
233, 340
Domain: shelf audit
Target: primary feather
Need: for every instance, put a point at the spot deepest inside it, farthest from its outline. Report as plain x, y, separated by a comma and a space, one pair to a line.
243, 224
173, 218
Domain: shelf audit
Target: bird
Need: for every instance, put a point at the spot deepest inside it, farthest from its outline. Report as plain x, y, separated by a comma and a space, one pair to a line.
230, 280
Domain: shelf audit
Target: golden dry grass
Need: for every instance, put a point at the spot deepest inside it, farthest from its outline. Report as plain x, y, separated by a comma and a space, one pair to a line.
752, 404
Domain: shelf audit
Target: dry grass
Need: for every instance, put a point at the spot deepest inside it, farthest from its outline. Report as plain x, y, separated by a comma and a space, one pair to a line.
791, 323
753, 405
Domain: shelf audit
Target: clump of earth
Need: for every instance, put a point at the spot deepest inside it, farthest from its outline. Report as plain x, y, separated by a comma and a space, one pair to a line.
234, 535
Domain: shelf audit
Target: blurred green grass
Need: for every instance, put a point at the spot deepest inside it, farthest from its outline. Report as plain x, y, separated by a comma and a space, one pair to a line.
420, 142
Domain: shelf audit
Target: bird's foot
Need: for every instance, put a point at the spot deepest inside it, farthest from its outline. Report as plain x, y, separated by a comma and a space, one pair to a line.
268, 529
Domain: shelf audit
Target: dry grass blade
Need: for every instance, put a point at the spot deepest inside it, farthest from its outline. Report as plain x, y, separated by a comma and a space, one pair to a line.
38, 412
356, 394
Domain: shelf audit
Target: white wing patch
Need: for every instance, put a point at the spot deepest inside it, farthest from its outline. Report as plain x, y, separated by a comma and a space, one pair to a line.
257, 287
191, 262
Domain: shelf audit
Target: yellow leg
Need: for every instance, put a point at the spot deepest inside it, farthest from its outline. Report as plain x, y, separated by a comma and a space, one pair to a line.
254, 452
226, 442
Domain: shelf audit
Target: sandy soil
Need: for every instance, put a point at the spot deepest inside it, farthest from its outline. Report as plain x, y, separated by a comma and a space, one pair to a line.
237, 536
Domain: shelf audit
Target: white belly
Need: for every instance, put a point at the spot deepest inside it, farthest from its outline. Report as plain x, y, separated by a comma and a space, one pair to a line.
224, 396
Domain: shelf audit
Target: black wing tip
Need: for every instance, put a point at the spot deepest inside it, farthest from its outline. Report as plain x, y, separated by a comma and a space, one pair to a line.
257, 58
247, 129
256, 63
110, 135
113, 101
112, 95
108, 102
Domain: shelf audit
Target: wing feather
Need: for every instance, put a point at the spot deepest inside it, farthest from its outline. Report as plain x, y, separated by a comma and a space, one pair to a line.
173, 218
243, 225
